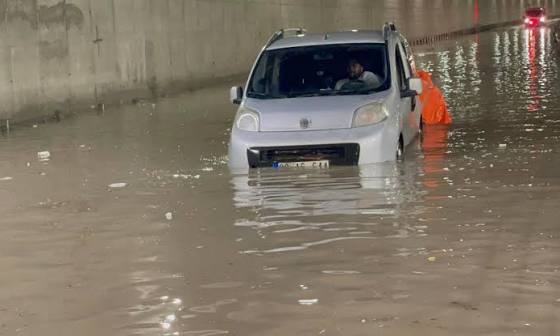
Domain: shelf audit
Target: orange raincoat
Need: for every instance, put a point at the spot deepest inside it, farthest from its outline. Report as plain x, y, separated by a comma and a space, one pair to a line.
434, 108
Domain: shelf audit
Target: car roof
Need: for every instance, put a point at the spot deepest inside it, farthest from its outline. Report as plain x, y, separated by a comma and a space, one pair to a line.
353, 36
530, 9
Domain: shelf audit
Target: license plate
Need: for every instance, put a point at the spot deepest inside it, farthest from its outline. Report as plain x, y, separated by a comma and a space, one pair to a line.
303, 164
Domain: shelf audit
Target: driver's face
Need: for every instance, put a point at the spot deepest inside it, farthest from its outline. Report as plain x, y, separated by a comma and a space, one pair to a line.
355, 70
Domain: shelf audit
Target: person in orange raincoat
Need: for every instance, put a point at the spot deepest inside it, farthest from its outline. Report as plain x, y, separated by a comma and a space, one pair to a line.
434, 108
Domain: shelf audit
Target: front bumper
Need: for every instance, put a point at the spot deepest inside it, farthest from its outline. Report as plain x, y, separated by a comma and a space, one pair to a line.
336, 154
364, 145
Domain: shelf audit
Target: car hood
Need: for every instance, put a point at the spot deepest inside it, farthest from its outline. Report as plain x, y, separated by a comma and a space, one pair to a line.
309, 113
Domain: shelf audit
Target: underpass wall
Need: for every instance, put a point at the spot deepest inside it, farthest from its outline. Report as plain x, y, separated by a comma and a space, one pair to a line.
60, 56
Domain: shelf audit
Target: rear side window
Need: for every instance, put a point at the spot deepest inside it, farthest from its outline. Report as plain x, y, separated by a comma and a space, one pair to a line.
409, 56
401, 74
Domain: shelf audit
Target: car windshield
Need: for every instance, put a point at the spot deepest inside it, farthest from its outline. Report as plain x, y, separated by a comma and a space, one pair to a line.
535, 12
341, 69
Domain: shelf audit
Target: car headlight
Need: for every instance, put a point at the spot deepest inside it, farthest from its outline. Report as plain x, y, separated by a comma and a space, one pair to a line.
543, 18
370, 114
247, 120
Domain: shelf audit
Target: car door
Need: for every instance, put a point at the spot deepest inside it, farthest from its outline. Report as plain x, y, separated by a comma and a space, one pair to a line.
410, 69
407, 104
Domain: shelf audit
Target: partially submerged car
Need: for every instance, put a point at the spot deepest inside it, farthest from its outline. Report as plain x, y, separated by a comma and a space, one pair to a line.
534, 16
316, 100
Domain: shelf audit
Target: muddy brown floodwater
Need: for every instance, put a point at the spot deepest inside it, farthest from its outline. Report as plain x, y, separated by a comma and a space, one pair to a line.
133, 225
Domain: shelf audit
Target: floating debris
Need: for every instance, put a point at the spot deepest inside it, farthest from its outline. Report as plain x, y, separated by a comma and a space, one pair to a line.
118, 185
309, 302
169, 216
7, 178
44, 156
186, 177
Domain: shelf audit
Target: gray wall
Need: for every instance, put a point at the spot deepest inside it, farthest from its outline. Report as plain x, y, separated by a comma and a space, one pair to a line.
68, 54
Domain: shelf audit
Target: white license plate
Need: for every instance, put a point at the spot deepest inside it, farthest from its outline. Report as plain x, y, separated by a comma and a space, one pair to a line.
303, 164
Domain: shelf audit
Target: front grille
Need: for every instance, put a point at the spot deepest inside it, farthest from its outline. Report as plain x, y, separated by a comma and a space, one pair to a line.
338, 154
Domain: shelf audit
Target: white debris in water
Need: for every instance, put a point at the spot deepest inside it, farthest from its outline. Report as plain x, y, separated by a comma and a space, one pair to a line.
177, 301
208, 169
7, 178
502, 146
164, 298
169, 216
118, 185
28, 164
44, 156
186, 177
35, 126
309, 302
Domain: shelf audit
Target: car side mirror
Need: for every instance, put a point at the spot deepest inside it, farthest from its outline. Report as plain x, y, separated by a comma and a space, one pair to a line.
236, 95
415, 84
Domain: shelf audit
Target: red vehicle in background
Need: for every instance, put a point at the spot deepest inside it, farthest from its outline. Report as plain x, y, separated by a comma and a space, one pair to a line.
535, 16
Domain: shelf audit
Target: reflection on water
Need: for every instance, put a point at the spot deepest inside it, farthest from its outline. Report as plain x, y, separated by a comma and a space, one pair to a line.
521, 62
435, 149
331, 205
309, 193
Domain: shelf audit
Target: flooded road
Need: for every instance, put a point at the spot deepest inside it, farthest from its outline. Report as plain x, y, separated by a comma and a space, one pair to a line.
134, 225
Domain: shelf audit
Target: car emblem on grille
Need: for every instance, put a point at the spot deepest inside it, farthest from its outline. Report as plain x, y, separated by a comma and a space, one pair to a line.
305, 123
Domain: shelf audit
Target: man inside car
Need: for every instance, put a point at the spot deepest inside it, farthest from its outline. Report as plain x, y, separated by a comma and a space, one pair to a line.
357, 75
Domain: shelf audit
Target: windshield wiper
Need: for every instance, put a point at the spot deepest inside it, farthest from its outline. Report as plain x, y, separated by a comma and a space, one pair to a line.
352, 92
259, 95
314, 93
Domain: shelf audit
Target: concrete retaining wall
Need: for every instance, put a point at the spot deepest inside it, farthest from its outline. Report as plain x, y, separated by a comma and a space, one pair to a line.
63, 55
